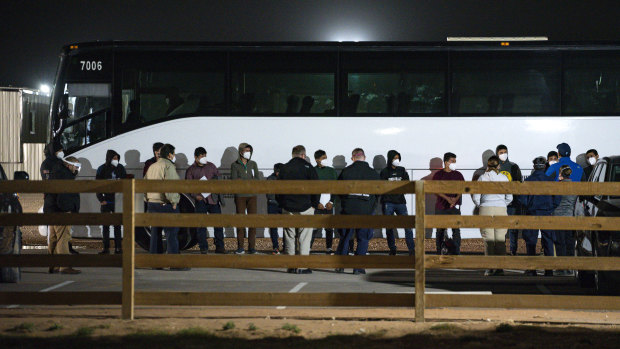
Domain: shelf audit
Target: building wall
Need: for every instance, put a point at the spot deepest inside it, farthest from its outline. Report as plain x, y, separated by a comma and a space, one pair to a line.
10, 126
33, 156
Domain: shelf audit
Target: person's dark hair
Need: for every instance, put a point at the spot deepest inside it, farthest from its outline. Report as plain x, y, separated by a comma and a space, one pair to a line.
319, 153
500, 147
566, 171
358, 152
200, 151
493, 164
277, 167
552, 153
157, 146
447, 156
166, 150
299, 150
593, 151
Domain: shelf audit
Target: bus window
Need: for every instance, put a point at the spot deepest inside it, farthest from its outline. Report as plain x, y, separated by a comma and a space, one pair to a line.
505, 83
395, 83
283, 83
156, 86
615, 174
88, 106
591, 83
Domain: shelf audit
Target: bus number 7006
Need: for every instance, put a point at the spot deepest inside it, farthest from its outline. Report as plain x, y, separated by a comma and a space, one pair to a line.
91, 65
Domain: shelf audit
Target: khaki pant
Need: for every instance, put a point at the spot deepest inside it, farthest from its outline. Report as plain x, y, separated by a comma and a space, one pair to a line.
298, 239
243, 203
59, 237
495, 239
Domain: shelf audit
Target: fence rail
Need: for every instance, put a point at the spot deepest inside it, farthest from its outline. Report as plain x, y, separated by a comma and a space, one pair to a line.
129, 298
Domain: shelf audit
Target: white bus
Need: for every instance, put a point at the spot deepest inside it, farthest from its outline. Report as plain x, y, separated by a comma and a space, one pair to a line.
422, 99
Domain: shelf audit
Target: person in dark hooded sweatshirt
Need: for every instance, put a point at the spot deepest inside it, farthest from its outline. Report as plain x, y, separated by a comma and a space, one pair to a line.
513, 172
396, 203
539, 205
245, 169
111, 169
357, 204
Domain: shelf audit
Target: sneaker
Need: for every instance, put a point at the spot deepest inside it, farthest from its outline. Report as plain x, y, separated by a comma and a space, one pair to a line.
304, 271
240, 251
180, 269
351, 253
118, 251
71, 250
220, 250
329, 251
203, 251
569, 272
291, 270
498, 272
53, 270
489, 272
105, 252
339, 270
531, 273
359, 271
275, 251
251, 251
392, 252
70, 271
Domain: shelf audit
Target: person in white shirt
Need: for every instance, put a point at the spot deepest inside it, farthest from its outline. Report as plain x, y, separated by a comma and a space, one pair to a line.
493, 205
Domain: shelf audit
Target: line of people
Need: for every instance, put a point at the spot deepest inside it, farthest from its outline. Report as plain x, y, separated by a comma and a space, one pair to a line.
557, 166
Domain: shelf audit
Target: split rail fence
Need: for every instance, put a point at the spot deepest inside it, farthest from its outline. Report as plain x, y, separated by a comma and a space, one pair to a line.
128, 298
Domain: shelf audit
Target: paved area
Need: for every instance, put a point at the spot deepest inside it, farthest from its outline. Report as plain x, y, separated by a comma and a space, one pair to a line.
277, 280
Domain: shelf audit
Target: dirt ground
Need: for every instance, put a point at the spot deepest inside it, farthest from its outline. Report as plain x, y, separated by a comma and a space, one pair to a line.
31, 237
183, 327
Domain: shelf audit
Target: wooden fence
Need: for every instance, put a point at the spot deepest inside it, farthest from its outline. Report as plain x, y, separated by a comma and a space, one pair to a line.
129, 297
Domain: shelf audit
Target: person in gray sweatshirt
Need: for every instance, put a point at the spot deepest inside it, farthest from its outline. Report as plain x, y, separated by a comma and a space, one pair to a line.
493, 205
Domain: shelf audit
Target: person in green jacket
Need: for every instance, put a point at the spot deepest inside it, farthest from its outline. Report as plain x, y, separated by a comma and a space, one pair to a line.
245, 169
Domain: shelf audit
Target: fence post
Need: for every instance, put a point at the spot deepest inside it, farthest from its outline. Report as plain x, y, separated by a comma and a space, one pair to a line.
129, 225
420, 231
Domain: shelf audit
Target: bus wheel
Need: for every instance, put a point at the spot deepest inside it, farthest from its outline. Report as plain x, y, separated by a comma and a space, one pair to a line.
187, 236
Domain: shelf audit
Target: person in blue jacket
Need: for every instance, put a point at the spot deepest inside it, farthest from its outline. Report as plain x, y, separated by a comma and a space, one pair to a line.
539, 205
564, 153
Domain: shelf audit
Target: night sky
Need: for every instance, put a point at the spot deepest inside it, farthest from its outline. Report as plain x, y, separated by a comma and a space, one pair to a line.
34, 31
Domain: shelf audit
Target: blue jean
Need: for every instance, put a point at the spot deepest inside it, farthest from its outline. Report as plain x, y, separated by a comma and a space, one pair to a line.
456, 232
218, 239
105, 229
172, 238
329, 232
273, 208
400, 210
364, 235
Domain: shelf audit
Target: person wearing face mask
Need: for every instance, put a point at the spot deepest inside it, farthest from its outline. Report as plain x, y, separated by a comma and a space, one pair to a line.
357, 204
448, 204
60, 235
297, 240
245, 169
395, 203
111, 169
164, 169
591, 158
326, 173
493, 205
564, 152
513, 173
202, 169
552, 158
538, 205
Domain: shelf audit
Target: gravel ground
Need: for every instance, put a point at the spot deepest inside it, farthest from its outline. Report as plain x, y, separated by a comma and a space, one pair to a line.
31, 237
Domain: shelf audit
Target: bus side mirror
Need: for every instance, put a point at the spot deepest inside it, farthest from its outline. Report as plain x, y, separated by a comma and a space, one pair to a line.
21, 175
63, 108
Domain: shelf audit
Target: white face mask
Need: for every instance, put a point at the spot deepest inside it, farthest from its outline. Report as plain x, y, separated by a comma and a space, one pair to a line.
247, 155
324, 162
552, 162
503, 156
114, 163
452, 166
174, 158
60, 155
203, 160
396, 162
592, 161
